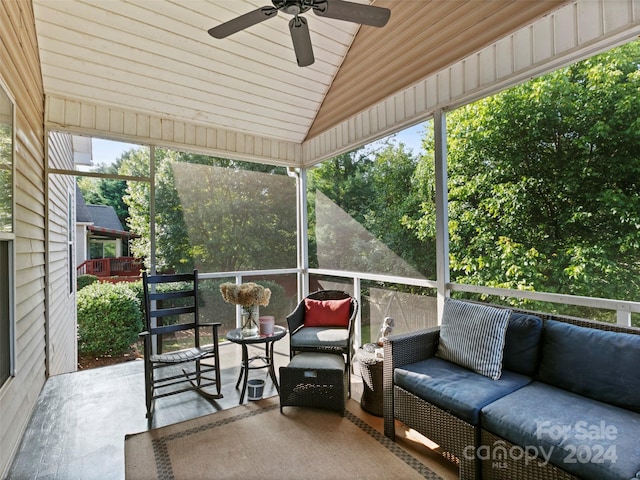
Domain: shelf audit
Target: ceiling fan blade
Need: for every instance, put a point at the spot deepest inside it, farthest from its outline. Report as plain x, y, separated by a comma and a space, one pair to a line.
352, 12
243, 21
301, 41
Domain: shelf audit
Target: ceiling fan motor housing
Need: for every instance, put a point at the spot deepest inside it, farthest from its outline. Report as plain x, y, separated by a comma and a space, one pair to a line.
293, 7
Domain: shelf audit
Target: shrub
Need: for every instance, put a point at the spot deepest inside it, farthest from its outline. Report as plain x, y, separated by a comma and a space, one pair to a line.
109, 318
138, 291
85, 281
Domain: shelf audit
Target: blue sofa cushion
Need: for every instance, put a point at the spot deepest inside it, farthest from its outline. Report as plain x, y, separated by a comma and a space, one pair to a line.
585, 437
599, 364
472, 335
522, 344
453, 388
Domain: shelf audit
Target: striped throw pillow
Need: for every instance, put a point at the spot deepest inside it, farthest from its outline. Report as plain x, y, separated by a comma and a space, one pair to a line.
472, 335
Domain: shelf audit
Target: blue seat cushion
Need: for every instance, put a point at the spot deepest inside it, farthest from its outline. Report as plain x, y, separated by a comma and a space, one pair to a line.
585, 437
522, 344
595, 363
313, 337
455, 389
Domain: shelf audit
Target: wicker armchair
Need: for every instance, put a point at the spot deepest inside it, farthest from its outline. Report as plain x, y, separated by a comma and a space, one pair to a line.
322, 339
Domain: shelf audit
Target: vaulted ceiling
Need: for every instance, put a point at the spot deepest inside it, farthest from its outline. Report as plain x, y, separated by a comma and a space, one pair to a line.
156, 58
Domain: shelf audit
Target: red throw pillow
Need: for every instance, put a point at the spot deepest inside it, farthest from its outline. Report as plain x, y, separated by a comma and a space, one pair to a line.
326, 313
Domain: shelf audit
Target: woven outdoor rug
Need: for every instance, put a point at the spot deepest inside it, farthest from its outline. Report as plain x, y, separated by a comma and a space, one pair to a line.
256, 441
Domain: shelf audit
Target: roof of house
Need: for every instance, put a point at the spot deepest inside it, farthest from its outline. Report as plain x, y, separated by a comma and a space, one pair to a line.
102, 218
82, 212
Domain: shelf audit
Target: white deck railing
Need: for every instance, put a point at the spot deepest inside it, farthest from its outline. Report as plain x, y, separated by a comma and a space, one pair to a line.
623, 308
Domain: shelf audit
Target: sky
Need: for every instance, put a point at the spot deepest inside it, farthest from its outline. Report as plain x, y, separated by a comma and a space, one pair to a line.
107, 151
412, 138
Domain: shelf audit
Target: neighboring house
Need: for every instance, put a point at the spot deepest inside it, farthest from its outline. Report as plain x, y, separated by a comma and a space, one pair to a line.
102, 245
102, 231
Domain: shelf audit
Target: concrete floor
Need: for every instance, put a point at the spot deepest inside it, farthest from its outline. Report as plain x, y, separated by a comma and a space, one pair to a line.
78, 426
79, 423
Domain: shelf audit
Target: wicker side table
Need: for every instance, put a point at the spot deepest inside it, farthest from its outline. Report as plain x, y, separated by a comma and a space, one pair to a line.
371, 370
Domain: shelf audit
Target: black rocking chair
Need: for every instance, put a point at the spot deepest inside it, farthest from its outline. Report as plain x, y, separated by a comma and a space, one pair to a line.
171, 313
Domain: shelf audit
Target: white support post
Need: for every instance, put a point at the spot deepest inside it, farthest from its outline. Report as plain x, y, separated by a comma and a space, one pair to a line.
442, 215
152, 208
624, 318
357, 294
303, 236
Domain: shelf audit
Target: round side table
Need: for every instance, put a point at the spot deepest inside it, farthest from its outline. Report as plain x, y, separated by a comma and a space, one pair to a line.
235, 336
371, 367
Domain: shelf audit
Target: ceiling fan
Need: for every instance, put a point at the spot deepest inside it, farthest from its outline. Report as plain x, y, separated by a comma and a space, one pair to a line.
338, 9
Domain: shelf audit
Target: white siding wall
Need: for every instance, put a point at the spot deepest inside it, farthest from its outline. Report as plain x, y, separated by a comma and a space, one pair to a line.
81, 244
20, 70
62, 342
86, 118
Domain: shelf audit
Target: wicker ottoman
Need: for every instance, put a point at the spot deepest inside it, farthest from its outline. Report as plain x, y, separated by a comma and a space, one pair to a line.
317, 380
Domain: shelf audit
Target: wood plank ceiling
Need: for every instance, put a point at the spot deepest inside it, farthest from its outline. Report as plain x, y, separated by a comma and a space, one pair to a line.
156, 57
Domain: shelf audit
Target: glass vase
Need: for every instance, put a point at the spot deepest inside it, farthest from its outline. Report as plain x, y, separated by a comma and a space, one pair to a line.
250, 320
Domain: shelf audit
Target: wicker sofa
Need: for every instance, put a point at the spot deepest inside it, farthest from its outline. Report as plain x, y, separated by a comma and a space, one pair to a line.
566, 405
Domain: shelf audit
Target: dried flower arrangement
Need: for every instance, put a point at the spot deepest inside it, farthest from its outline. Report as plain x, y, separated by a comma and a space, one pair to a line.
246, 294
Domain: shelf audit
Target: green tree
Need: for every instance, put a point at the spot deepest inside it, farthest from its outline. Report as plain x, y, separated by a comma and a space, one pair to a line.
173, 250
213, 214
379, 198
107, 191
395, 204
344, 180
544, 182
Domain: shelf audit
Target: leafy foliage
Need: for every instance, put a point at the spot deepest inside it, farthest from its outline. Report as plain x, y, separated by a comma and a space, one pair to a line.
106, 191
109, 318
544, 182
213, 214
378, 190
85, 280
